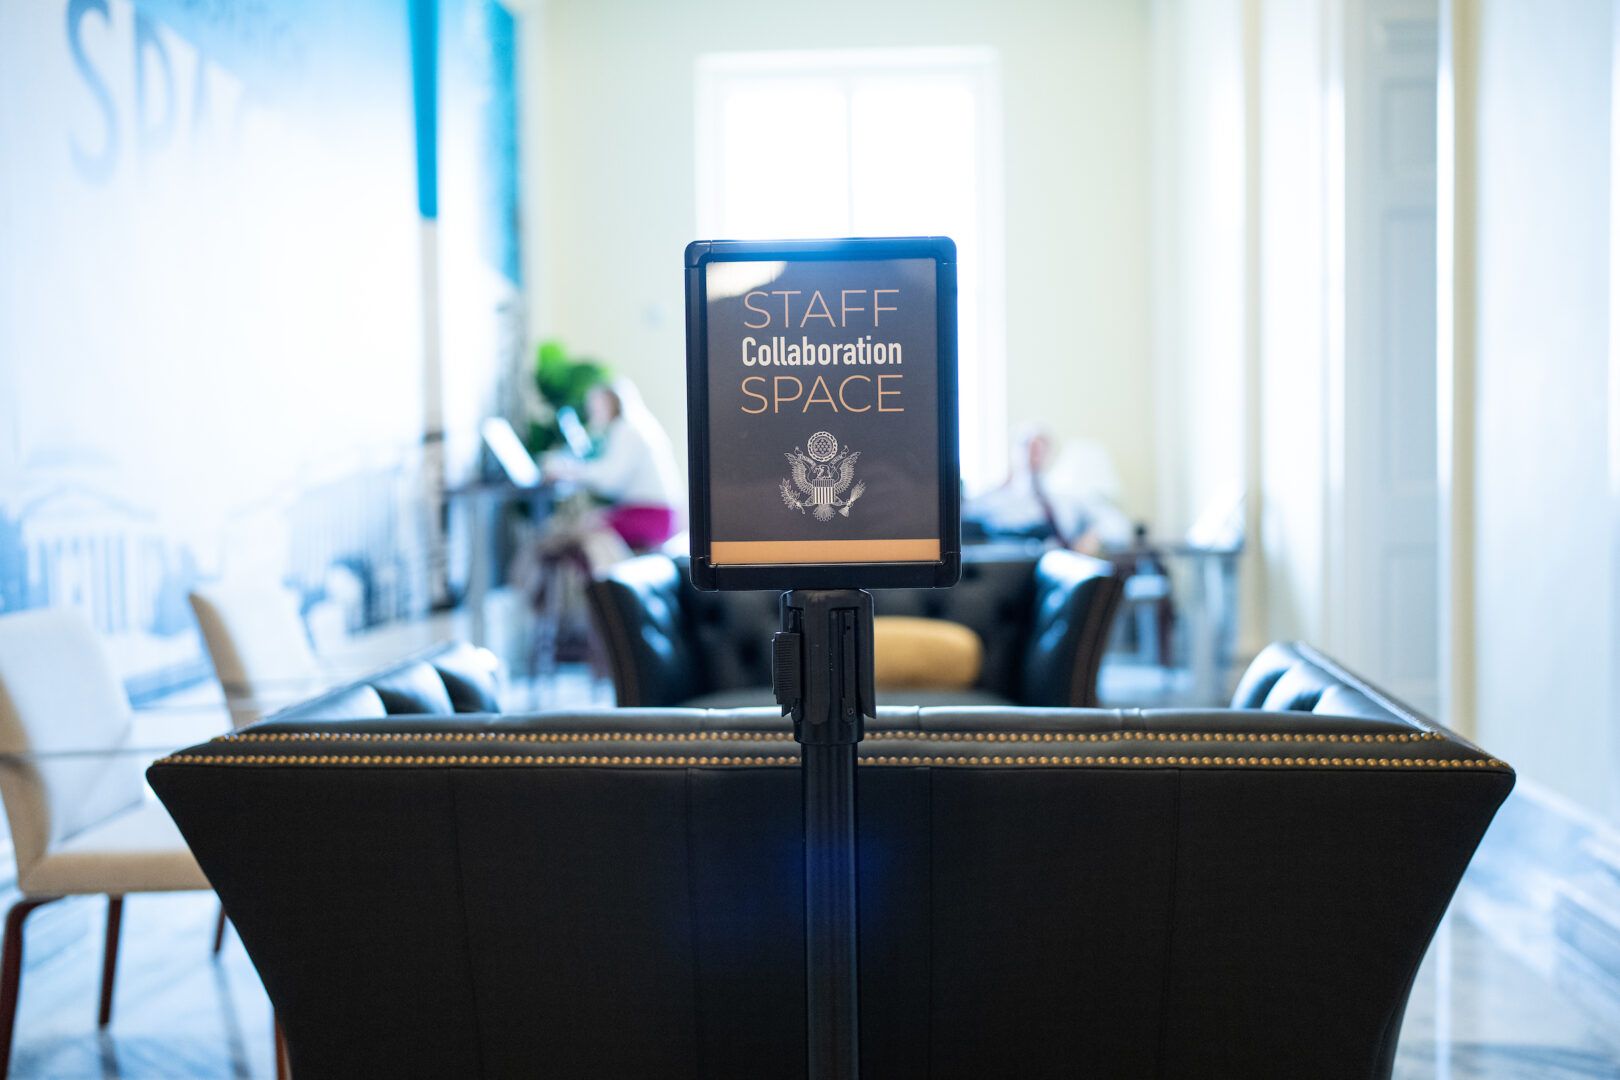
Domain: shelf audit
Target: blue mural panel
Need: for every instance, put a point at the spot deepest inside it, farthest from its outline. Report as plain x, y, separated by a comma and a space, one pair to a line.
477, 227
501, 144
210, 321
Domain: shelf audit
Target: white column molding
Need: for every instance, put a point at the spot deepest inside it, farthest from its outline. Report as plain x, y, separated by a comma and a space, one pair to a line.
1252, 635
1614, 414
433, 472
1455, 340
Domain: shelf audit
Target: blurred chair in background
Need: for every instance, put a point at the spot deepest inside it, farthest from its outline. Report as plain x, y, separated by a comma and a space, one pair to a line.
1040, 621
81, 822
261, 655
1146, 628
260, 650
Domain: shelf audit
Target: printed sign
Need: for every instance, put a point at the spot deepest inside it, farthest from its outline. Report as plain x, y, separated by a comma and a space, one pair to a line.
822, 394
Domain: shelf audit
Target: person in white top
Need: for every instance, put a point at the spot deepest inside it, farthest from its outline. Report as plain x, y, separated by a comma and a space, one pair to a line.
634, 471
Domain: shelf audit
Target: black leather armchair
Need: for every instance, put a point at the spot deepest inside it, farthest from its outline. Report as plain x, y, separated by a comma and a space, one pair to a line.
1043, 620
1044, 892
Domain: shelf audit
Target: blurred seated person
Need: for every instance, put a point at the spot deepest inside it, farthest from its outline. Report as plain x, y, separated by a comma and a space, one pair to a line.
633, 470
1064, 498
630, 501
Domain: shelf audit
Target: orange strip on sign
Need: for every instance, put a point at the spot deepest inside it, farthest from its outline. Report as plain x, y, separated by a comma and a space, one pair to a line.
731, 552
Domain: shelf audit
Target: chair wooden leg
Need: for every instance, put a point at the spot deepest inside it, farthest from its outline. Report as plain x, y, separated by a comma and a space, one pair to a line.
219, 931
11, 975
109, 961
283, 1066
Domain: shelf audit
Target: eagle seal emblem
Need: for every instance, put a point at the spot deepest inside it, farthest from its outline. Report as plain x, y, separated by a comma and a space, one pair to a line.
822, 475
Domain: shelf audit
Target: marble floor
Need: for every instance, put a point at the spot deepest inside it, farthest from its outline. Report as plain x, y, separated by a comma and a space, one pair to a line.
177, 1011
1479, 1013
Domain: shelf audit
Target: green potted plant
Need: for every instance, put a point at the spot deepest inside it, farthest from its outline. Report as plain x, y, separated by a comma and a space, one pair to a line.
562, 381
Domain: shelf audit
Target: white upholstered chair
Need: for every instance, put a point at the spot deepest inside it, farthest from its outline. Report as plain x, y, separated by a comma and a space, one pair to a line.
82, 821
261, 655
256, 640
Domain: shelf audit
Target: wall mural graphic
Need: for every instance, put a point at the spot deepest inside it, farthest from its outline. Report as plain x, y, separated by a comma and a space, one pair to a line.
210, 307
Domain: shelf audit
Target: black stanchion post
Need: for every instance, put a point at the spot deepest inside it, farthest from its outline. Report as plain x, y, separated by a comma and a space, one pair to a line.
780, 500
822, 670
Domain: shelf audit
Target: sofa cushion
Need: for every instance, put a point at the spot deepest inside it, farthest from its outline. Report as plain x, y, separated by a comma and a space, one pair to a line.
993, 599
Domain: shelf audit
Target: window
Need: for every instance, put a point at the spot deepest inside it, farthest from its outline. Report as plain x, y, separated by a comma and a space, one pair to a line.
870, 143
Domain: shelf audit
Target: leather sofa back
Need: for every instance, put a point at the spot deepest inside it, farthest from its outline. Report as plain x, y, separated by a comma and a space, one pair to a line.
438, 681
1044, 892
1295, 677
1043, 620
641, 613
1070, 612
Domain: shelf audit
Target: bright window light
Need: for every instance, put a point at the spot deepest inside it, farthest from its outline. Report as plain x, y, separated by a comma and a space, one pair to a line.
892, 142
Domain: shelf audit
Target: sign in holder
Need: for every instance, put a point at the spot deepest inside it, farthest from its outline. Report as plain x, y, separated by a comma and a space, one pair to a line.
822, 420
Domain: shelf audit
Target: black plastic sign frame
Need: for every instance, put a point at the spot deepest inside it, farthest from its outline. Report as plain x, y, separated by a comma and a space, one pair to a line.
821, 404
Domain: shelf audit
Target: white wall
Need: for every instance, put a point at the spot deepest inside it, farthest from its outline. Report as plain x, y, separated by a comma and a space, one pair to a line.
612, 203
1543, 460
1543, 575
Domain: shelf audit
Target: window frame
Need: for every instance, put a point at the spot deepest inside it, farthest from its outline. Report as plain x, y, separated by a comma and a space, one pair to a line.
983, 390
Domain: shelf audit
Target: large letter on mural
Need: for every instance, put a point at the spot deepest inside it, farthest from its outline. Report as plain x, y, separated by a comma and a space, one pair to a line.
151, 134
93, 167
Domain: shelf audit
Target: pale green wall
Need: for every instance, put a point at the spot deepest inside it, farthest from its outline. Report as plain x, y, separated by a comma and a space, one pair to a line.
612, 203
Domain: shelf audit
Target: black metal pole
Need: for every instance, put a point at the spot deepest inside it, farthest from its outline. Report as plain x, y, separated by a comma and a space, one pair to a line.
822, 668
831, 994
